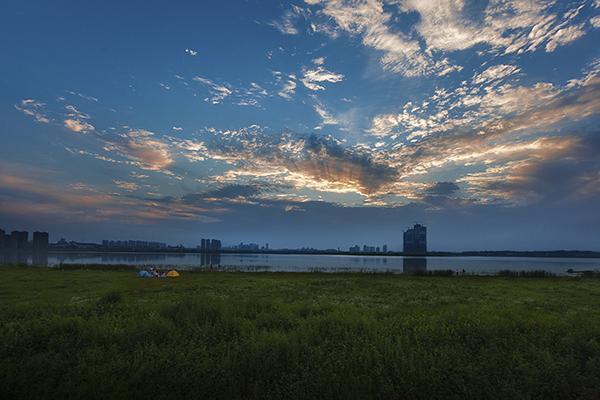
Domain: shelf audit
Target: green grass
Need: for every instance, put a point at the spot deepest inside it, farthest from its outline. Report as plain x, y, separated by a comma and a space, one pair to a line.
214, 335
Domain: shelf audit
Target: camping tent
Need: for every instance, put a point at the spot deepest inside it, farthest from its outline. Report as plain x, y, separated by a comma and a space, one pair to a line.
173, 274
144, 274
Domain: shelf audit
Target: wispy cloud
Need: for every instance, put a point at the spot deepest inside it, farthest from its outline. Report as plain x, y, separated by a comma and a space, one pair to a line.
142, 148
313, 78
288, 88
286, 24
76, 120
34, 109
218, 92
78, 126
509, 26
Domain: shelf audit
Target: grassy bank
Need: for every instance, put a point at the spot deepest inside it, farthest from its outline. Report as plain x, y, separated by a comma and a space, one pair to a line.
108, 334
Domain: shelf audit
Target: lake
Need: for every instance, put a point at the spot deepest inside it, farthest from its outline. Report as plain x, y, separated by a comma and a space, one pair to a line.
310, 262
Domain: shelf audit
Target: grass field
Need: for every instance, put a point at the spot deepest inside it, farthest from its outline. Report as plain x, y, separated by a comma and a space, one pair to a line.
213, 335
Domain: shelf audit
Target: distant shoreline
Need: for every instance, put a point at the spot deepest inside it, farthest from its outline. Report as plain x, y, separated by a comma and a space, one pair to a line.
501, 253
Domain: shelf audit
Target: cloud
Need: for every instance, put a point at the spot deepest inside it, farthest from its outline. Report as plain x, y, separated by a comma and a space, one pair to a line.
326, 117
286, 24
564, 36
76, 120
442, 189
128, 186
236, 191
78, 126
141, 147
495, 73
562, 169
28, 193
34, 109
368, 20
289, 87
479, 105
509, 26
313, 77
320, 163
83, 96
191, 52
192, 150
218, 92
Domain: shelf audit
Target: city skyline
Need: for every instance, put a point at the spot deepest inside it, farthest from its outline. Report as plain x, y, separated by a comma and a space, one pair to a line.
315, 123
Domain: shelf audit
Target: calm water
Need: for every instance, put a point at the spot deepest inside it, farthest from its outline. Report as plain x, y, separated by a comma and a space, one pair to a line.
302, 262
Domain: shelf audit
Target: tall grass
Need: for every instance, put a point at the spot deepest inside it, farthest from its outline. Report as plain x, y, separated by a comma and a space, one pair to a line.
94, 334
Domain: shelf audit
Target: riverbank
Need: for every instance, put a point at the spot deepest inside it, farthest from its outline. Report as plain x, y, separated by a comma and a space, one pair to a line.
108, 334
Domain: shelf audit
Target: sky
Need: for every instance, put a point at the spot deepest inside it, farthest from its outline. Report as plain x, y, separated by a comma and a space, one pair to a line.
315, 123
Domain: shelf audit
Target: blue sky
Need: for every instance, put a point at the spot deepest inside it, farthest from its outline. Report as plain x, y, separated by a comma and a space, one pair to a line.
319, 123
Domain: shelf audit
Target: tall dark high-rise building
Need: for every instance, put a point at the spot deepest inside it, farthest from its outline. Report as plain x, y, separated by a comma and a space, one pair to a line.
215, 246
40, 241
415, 240
3, 239
18, 240
203, 245
384, 248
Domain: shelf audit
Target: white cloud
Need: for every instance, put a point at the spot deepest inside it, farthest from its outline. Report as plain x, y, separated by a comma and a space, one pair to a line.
564, 36
83, 96
129, 186
495, 73
595, 21
191, 52
286, 24
78, 126
367, 19
218, 92
326, 117
34, 109
288, 89
509, 26
313, 77
76, 120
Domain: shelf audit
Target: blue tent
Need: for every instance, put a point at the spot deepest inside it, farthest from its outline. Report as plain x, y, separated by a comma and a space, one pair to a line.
144, 274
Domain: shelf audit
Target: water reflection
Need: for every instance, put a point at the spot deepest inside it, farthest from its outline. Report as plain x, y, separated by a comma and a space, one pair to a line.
210, 259
305, 262
414, 265
40, 258
23, 257
13, 257
197, 259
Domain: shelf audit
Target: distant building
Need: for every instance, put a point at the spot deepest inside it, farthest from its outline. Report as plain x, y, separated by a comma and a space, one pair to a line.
215, 246
209, 246
354, 249
384, 248
415, 240
40, 241
133, 244
247, 246
19, 240
3, 239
